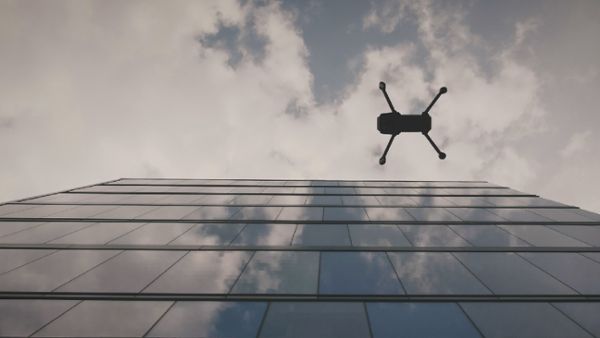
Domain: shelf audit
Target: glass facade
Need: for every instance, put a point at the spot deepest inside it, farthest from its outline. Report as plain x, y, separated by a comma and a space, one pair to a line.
298, 258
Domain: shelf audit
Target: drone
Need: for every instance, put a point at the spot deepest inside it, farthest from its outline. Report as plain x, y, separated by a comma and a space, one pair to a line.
394, 123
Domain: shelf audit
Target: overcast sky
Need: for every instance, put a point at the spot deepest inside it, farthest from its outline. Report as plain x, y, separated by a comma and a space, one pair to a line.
96, 90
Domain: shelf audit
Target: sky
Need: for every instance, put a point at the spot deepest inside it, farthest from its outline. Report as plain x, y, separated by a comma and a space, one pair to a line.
98, 90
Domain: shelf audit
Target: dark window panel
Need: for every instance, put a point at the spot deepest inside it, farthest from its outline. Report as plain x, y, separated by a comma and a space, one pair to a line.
388, 214
83, 211
126, 212
107, 319
586, 233
301, 214
357, 273
521, 320
476, 215
322, 235
519, 215
507, 273
50, 272
209, 234
577, 271
587, 214
202, 272
265, 234
153, 234
426, 201
324, 200
7, 209
167, 212
36, 211
182, 199
288, 200
360, 200
562, 215
7, 228
44, 233
12, 258
432, 214
595, 256
391, 320
257, 213
251, 199
345, 214
129, 271
212, 213
99, 233
308, 319
540, 235
275, 272
388, 200
22, 317
141, 199
522, 201
487, 235
434, 273
61, 198
377, 235
211, 319
585, 314
468, 201
432, 235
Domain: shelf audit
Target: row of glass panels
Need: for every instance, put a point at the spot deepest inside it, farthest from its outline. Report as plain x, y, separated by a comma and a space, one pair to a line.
299, 272
268, 234
266, 199
306, 213
296, 319
298, 190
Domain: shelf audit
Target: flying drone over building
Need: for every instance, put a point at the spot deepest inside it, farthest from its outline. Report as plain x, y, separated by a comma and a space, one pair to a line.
394, 123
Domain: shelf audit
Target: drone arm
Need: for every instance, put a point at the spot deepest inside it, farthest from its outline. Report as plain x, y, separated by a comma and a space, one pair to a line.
443, 90
387, 148
441, 154
387, 98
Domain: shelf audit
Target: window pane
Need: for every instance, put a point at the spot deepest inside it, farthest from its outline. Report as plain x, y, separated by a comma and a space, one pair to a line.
396, 200
507, 273
562, 215
107, 319
487, 235
126, 212
209, 234
181, 199
265, 234
468, 201
521, 320
586, 233
99, 233
22, 317
357, 273
540, 235
388, 214
476, 215
434, 273
52, 271
287, 200
431, 201
129, 271
257, 213
324, 200
83, 211
301, 214
202, 272
377, 235
12, 258
291, 272
360, 200
14, 208
431, 235
251, 199
7, 228
212, 213
322, 235
168, 212
310, 319
432, 214
419, 320
211, 319
519, 215
44, 233
35, 211
345, 214
585, 314
154, 234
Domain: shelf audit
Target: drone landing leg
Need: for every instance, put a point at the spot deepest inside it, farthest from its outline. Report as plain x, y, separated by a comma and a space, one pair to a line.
441, 154
387, 148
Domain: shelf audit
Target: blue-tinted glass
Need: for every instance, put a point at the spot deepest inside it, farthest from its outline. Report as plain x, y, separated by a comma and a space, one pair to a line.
540, 235
107, 319
434, 273
209, 234
322, 234
291, 272
265, 234
487, 235
585, 314
22, 317
521, 320
357, 273
431, 235
388, 214
377, 235
210, 319
419, 320
315, 319
301, 214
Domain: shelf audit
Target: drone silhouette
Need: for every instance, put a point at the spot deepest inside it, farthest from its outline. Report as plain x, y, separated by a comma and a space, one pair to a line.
394, 123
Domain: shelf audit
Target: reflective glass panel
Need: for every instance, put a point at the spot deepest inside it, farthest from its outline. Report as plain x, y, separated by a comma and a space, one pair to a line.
395, 200
265, 234
211, 319
377, 235
44, 233
540, 235
13, 258
212, 213
22, 317
202, 272
432, 214
324, 200
50, 272
527, 320
360, 200
209, 234
595, 256
586, 233
434, 273
126, 212
345, 214
301, 214
391, 320
431, 235
487, 235
476, 215
251, 199
111, 318
322, 234
99, 233
388, 214
288, 200
154, 234
83, 211
577, 271
35, 211
13, 208
181, 199
129, 271
291, 272
257, 213
562, 215
585, 314
7, 228
357, 273
141, 199
507, 273
315, 319
168, 212
468, 201
341, 190
519, 215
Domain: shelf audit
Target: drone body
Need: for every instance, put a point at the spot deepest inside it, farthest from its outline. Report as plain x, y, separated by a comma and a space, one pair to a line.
394, 123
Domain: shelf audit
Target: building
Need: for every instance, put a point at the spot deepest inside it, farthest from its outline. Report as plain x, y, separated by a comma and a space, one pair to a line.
298, 258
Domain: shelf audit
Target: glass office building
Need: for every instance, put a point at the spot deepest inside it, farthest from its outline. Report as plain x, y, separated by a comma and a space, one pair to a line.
298, 258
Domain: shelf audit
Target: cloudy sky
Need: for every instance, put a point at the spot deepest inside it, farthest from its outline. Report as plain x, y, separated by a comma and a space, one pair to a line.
97, 90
